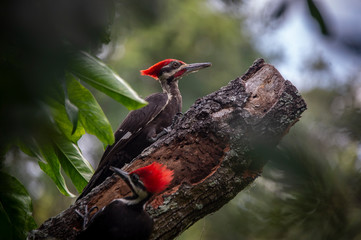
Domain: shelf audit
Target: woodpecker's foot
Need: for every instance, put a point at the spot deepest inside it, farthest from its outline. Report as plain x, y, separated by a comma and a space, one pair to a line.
159, 135
176, 118
86, 214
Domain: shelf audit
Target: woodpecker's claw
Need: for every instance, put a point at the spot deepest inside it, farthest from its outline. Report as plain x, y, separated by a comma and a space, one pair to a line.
83, 217
176, 118
86, 214
159, 135
167, 129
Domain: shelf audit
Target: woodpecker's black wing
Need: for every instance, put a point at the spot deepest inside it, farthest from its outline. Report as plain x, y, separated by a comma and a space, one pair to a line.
121, 152
134, 123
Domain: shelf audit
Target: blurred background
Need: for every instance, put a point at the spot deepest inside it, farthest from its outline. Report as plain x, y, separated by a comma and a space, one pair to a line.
311, 186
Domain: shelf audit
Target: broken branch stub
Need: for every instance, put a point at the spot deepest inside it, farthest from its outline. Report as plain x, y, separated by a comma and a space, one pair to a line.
211, 150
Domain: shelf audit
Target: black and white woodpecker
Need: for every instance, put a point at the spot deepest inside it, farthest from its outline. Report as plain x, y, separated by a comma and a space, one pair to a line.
126, 218
141, 127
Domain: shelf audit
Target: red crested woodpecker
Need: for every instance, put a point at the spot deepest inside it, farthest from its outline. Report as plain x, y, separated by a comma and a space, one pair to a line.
126, 218
143, 126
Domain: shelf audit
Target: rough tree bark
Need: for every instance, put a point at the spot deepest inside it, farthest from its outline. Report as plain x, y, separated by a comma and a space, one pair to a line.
212, 150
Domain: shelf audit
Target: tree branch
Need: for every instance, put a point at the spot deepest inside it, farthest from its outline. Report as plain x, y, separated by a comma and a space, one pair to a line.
212, 149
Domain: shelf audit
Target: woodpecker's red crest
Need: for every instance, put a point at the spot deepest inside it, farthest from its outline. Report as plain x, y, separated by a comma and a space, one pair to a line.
154, 70
155, 177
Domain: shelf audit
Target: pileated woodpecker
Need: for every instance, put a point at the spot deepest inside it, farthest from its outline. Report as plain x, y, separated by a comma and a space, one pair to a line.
141, 127
126, 218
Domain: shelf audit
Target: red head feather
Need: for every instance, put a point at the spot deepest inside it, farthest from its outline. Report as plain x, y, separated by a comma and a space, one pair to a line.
154, 70
155, 177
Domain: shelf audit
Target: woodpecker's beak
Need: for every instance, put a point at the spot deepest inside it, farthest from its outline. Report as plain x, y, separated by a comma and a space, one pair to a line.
123, 174
194, 67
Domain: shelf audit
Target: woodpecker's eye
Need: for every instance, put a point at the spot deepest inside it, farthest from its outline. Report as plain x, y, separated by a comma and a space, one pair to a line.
175, 64
135, 178
136, 181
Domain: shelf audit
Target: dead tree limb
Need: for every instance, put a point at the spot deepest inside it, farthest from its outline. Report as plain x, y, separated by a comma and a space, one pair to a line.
211, 150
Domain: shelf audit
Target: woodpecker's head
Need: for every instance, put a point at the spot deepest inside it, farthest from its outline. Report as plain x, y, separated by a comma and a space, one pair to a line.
171, 70
145, 181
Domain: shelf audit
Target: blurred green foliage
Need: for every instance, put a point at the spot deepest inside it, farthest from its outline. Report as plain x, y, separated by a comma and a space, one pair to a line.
15, 208
44, 108
310, 188
192, 31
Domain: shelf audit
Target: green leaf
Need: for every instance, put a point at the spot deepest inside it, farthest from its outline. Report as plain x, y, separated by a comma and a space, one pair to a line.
27, 148
316, 14
62, 153
94, 72
71, 110
15, 209
6, 231
74, 164
49, 155
62, 120
52, 168
73, 114
91, 115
